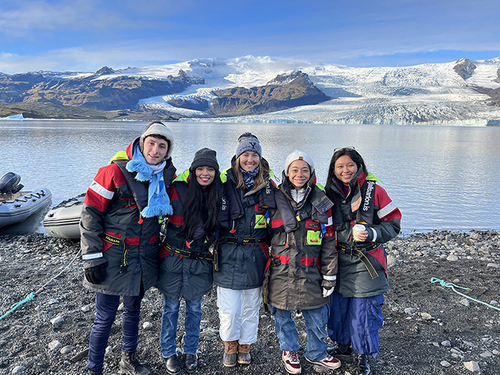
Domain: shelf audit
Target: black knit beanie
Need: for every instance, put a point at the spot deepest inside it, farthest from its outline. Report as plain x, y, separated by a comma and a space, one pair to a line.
205, 157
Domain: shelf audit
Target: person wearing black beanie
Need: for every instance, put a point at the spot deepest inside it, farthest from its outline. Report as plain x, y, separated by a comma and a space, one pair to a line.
185, 255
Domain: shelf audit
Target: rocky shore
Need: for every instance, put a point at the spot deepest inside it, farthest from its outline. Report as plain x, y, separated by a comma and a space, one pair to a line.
429, 328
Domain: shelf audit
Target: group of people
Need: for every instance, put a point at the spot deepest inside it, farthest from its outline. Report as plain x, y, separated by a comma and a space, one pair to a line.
295, 247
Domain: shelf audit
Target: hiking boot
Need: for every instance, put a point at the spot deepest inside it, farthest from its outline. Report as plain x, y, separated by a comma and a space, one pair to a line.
230, 353
190, 362
129, 364
172, 364
342, 352
291, 361
244, 357
363, 365
328, 362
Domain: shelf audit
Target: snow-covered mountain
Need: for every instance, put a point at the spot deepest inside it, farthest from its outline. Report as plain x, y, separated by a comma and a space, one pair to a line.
462, 92
429, 94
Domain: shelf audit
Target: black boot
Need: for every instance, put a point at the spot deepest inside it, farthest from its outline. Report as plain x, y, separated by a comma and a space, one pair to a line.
363, 365
172, 364
129, 364
342, 352
190, 362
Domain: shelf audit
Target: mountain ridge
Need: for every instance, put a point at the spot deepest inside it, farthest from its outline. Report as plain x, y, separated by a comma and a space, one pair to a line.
463, 92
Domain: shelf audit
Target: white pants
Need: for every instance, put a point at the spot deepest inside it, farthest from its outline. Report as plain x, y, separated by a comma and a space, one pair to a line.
239, 314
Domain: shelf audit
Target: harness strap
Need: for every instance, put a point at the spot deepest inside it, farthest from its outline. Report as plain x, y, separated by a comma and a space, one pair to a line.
360, 253
166, 250
244, 241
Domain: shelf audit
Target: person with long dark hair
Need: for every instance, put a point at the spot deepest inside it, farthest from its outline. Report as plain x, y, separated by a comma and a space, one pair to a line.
242, 252
186, 266
364, 217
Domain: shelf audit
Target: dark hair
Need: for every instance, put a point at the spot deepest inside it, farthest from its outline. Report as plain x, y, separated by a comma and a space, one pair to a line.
353, 154
158, 136
201, 203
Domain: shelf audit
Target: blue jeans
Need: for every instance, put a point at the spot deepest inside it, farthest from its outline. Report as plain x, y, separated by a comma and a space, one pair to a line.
106, 307
356, 321
169, 320
315, 327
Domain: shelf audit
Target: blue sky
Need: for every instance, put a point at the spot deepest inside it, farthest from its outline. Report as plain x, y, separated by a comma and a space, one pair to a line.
85, 35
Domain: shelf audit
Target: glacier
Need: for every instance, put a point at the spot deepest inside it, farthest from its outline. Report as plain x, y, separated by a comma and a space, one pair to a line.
427, 94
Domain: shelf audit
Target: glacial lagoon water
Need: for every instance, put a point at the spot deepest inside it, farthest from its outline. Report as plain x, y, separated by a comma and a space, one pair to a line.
442, 178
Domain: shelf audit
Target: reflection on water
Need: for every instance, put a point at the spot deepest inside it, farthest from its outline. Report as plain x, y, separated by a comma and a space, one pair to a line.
440, 177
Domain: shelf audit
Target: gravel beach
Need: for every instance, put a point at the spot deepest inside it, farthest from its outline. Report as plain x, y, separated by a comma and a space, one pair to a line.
428, 328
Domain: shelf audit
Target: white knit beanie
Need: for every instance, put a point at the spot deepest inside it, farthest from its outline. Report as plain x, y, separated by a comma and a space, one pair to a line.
298, 155
158, 128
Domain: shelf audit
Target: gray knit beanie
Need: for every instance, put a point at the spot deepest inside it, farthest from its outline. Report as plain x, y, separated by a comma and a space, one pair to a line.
248, 142
158, 128
205, 157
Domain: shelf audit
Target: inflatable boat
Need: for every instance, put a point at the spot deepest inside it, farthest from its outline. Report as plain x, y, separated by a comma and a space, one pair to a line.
17, 205
64, 219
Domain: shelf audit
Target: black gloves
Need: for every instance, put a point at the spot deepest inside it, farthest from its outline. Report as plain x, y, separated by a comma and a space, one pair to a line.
96, 274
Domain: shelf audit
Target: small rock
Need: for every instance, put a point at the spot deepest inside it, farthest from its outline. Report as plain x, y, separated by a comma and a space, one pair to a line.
147, 325
494, 302
465, 302
492, 265
495, 352
486, 355
446, 343
86, 308
109, 350
426, 316
472, 366
452, 258
445, 363
18, 369
54, 344
391, 260
67, 349
321, 369
57, 321
475, 236
410, 310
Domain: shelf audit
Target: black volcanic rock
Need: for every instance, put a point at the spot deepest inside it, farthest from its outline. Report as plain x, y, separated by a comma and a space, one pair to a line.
285, 91
464, 68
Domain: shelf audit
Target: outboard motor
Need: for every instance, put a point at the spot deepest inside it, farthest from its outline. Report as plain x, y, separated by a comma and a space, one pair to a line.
9, 183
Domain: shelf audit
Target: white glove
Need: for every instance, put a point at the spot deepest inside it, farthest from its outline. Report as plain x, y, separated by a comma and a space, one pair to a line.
328, 284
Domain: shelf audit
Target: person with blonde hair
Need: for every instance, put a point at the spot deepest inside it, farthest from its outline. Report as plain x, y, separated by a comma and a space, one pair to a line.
242, 251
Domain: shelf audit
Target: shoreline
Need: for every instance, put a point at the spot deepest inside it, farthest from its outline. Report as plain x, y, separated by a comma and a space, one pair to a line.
428, 329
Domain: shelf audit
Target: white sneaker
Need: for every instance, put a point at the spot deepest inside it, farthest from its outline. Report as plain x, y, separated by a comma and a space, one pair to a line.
328, 362
291, 361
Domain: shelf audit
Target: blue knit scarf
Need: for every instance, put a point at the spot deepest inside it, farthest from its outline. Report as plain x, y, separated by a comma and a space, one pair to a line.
158, 200
249, 176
